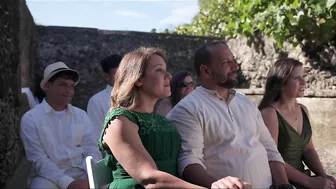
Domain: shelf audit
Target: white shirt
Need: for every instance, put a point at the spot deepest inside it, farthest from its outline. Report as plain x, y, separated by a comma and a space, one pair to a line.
60, 114
97, 108
57, 145
226, 138
32, 100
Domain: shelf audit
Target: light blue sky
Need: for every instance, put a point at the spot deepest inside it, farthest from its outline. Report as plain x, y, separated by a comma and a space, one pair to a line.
133, 15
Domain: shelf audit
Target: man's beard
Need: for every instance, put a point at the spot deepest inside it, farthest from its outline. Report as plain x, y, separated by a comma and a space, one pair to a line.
224, 81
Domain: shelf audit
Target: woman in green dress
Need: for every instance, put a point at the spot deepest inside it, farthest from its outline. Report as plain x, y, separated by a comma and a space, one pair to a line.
289, 125
141, 147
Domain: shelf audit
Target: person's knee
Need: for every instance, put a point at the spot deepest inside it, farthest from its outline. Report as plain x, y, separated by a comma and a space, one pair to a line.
42, 183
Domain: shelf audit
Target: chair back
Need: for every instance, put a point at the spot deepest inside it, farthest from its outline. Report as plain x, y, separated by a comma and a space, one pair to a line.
98, 173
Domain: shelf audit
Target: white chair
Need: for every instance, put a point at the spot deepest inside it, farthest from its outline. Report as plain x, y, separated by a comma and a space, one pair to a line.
98, 173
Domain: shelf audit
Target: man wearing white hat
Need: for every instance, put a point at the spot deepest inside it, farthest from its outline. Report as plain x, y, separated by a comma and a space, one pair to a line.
56, 135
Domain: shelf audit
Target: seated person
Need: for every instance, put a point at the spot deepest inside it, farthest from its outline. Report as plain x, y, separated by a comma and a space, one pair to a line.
222, 132
58, 136
99, 104
289, 125
182, 84
142, 147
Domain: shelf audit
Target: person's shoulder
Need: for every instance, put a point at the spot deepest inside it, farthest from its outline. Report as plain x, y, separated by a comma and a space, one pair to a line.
268, 112
164, 101
77, 110
270, 117
195, 96
28, 115
36, 111
189, 101
32, 116
304, 108
190, 104
240, 93
97, 96
248, 105
241, 97
124, 116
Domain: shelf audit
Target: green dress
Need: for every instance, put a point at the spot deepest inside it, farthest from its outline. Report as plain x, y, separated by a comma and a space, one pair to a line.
291, 145
158, 136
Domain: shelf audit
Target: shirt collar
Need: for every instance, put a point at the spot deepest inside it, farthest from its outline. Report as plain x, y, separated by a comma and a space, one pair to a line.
232, 93
47, 108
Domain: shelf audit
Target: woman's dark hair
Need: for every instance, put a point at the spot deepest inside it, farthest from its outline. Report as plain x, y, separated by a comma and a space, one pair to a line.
110, 62
175, 86
277, 77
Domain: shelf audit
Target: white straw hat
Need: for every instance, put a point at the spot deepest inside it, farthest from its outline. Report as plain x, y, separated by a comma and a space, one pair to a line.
55, 68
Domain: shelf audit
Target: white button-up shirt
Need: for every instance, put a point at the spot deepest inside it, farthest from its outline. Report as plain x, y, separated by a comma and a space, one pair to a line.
226, 138
58, 145
97, 108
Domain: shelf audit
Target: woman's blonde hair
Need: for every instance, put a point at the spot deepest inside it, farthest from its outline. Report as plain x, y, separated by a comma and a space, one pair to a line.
132, 67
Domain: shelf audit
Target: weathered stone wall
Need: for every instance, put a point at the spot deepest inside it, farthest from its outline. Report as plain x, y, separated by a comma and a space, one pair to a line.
27, 45
10, 85
8, 91
320, 69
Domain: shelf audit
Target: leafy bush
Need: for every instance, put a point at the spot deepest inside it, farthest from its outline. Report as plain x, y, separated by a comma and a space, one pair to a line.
295, 21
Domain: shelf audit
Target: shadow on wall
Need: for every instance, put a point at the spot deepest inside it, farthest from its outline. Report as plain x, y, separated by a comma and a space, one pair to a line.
321, 58
242, 81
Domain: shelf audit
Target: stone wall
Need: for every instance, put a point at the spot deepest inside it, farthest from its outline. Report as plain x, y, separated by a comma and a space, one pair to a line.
11, 150
8, 90
27, 45
255, 60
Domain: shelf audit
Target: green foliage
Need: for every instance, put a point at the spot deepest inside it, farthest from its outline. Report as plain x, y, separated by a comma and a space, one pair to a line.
166, 31
204, 3
293, 21
153, 30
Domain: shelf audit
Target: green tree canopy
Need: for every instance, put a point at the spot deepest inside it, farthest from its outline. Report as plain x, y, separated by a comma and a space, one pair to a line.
153, 30
293, 21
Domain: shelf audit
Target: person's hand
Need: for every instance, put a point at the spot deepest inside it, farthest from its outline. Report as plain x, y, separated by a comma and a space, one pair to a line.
79, 184
231, 182
320, 182
332, 179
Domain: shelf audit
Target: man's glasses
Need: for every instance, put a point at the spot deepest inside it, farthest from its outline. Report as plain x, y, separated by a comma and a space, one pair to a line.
187, 84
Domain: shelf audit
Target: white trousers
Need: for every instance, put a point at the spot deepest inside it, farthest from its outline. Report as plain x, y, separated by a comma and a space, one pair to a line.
38, 182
